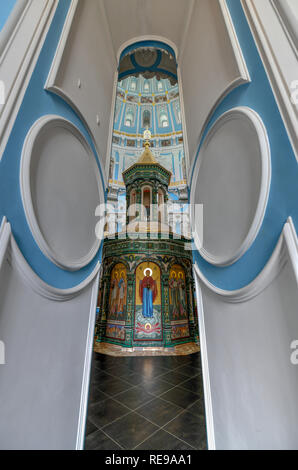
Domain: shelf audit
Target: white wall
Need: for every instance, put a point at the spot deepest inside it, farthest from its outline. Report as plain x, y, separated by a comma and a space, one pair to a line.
46, 333
248, 335
84, 67
131, 18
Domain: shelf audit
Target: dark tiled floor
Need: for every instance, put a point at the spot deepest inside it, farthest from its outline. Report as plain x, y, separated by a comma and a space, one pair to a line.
152, 403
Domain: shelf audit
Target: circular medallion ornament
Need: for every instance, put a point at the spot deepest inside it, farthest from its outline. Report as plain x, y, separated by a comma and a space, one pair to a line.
232, 181
61, 188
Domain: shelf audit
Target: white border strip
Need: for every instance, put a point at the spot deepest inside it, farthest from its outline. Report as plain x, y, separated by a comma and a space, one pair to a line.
243, 70
61, 45
278, 76
87, 367
205, 365
5, 233
6, 34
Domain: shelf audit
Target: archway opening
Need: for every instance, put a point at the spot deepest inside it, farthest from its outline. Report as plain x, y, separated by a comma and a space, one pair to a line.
147, 303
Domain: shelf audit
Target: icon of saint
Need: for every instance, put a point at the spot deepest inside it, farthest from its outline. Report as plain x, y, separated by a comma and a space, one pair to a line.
114, 295
148, 293
121, 289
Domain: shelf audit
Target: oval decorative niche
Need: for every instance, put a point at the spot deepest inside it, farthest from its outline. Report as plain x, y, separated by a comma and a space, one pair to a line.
61, 188
232, 181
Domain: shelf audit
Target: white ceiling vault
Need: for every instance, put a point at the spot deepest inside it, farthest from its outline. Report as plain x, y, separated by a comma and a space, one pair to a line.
132, 18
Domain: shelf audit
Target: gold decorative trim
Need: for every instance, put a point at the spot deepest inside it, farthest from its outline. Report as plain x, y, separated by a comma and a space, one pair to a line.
115, 350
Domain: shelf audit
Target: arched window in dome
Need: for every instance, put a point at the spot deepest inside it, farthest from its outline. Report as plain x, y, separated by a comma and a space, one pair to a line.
161, 207
178, 112
146, 203
146, 86
164, 120
116, 169
129, 118
117, 110
133, 84
159, 86
146, 118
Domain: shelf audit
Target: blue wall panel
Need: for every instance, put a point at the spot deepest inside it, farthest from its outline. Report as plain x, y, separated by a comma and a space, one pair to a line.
38, 102
283, 199
5, 10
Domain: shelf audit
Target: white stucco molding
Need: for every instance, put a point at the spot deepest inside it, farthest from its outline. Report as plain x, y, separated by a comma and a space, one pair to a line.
274, 28
251, 120
82, 421
147, 37
9, 250
242, 78
8, 29
54, 85
288, 13
286, 251
242, 67
21, 41
205, 365
27, 169
56, 64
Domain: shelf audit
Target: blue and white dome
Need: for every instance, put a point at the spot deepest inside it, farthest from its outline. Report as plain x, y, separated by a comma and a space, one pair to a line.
143, 103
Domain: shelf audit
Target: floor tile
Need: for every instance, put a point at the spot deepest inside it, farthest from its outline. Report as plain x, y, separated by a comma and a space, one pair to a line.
99, 375
130, 430
163, 441
159, 411
195, 361
198, 408
194, 384
187, 370
90, 427
183, 360
113, 386
104, 359
156, 386
100, 441
96, 395
106, 412
148, 370
134, 397
119, 370
174, 377
190, 429
180, 396
133, 378
167, 362
160, 389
